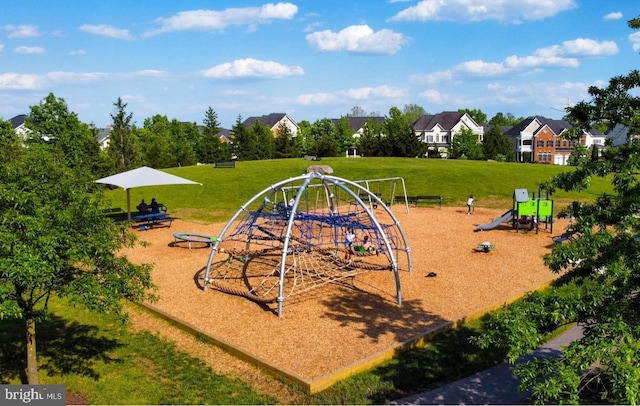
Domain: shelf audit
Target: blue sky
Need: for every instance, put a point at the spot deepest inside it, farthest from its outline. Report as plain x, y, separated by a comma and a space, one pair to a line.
310, 59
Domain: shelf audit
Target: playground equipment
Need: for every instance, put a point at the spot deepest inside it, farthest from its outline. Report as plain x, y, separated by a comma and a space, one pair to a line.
526, 209
534, 209
290, 238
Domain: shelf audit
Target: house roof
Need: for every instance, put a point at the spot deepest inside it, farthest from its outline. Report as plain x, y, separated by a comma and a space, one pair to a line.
557, 126
447, 120
18, 120
103, 134
269, 120
225, 133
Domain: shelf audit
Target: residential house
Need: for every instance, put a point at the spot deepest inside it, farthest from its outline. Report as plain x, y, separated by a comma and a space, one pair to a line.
356, 125
539, 139
18, 124
619, 135
225, 135
103, 136
274, 121
439, 130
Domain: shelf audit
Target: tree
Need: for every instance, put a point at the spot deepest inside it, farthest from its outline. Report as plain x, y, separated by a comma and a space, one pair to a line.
323, 133
497, 146
155, 142
209, 148
244, 141
413, 112
601, 271
502, 120
465, 145
344, 134
54, 241
368, 143
357, 111
266, 146
400, 139
122, 148
477, 115
182, 141
51, 123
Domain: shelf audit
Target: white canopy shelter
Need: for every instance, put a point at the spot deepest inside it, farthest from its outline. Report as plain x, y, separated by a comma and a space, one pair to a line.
143, 176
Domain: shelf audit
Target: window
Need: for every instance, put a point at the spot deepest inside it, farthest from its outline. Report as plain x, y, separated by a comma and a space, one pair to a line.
429, 138
550, 143
437, 138
526, 142
540, 157
540, 144
572, 144
557, 143
564, 143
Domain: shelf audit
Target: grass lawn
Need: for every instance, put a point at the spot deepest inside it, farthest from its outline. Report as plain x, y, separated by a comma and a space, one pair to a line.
99, 358
224, 190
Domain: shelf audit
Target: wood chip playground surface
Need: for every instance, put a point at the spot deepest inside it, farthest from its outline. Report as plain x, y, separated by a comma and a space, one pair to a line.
340, 329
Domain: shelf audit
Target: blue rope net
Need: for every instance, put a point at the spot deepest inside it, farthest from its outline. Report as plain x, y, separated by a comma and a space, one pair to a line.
317, 253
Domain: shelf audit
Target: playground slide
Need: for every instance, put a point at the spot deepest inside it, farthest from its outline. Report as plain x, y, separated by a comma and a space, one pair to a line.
507, 216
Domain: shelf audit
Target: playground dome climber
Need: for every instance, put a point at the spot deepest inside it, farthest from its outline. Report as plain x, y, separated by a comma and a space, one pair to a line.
290, 238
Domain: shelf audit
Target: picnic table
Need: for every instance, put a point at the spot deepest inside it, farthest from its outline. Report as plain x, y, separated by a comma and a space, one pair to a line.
150, 220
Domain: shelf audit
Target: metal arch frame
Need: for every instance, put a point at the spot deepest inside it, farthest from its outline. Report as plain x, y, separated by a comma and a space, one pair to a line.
307, 178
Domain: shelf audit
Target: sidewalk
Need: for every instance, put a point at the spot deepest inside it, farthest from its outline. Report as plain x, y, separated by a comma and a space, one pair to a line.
496, 385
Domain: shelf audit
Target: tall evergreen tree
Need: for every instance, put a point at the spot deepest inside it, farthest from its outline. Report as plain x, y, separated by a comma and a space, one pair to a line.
244, 142
122, 148
266, 146
285, 143
209, 147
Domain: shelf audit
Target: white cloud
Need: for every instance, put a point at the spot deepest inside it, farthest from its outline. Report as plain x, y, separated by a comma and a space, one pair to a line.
198, 20
556, 56
151, 73
22, 31
555, 96
251, 68
30, 81
509, 11
356, 94
105, 30
358, 39
616, 15
29, 50
21, 81
78, 52
635, 41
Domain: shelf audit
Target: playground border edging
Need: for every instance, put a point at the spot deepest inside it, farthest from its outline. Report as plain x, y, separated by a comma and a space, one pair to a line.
330, 379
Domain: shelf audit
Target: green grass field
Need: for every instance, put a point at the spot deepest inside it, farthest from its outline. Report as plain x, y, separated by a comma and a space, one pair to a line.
225, 190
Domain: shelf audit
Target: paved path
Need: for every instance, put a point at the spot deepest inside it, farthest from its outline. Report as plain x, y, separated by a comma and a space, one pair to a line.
496, 385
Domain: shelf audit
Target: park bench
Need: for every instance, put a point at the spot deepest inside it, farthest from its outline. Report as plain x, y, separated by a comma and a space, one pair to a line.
225, 164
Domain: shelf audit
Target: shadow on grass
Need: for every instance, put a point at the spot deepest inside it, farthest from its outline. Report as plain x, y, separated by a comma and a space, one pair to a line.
448, 357
63, 346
